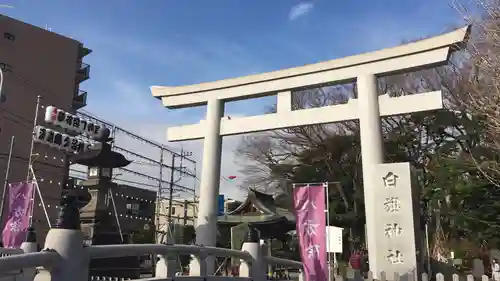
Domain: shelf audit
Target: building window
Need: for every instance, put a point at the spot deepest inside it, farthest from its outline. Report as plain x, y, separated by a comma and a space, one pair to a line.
172, 212
9, 36
137, 208
133, 208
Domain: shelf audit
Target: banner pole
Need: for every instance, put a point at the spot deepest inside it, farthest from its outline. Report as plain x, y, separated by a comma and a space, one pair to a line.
327, 213
30, 167
41, 198
35, 119
6, 180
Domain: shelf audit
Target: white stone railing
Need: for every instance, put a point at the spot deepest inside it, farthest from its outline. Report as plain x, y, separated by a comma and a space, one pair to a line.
8, 252
19, 273
66, 258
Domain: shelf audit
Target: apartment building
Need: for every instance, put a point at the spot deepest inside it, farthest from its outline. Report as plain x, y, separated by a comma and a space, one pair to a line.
183, 213
35, 61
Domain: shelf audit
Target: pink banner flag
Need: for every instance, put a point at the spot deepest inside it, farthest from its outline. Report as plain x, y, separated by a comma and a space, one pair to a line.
20, 205
309, 203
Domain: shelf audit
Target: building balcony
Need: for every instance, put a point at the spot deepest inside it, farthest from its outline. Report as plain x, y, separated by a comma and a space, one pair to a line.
79, 100
82, 51
83, 73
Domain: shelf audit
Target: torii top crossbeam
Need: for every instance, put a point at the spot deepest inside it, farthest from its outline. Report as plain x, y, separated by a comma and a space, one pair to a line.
429, 52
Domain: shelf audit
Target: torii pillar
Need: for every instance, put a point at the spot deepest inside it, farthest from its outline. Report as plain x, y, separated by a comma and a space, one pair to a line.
385, 251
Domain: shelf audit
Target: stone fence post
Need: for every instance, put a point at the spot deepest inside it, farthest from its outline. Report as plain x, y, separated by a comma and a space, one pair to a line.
256, 269
29, 246
66, 239
166, 265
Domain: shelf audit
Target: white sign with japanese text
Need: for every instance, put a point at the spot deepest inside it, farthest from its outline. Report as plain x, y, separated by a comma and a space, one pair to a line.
396, 205
334, 239
71, 122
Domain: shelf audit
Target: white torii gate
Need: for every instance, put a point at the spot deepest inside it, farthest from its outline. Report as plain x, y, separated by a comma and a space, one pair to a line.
368, 108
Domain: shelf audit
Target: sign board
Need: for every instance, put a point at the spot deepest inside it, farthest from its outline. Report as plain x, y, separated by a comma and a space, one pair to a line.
72, 124
334, 239
59, 140
395, 249
220, 205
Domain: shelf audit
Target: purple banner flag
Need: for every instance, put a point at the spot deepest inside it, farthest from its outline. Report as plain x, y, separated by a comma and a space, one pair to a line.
309, 203
20, 205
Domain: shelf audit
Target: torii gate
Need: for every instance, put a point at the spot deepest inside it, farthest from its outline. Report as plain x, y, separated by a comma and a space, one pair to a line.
368, 108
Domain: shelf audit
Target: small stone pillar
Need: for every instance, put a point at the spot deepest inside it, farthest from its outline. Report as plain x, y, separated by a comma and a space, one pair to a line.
302, 276
66, 239
256, 268
166, 265
198, 265
266, 251
29, 246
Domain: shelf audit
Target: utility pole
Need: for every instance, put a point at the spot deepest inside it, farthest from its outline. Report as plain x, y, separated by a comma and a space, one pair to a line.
171, 187
159, 199
171, 190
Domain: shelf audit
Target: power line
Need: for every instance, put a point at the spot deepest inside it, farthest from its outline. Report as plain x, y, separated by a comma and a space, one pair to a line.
40, 89
27, 84
18, 116
183, 172
130, 134
17, 122
124, 180
44, 91
178, 169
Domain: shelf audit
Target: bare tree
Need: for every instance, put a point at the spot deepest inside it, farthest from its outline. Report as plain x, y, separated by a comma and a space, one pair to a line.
264, 155
478, 76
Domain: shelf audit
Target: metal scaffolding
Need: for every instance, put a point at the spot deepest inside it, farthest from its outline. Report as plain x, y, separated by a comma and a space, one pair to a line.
172, 174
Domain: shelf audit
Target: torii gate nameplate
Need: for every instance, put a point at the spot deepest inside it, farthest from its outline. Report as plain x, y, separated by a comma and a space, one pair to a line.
368, 108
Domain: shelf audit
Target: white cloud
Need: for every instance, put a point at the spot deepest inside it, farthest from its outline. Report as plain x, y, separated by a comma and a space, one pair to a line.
300, 10
131, 96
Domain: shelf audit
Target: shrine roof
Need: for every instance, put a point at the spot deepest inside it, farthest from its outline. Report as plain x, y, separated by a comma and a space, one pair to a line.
266, 207
257, 219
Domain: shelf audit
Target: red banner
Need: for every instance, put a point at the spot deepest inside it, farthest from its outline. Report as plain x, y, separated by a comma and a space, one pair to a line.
20, 205
309, 204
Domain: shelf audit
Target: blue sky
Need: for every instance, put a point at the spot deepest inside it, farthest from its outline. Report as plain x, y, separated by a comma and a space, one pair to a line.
138, 43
